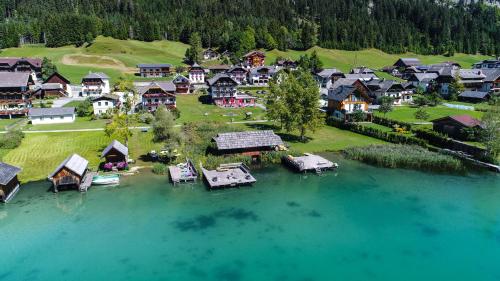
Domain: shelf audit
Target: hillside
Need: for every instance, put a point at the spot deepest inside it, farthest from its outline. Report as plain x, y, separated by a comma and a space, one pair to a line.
119, 57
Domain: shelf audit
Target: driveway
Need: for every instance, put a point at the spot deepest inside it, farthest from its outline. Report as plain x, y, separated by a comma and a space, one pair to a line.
62, 101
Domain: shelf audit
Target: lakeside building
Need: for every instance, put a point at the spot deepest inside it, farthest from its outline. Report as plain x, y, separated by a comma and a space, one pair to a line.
454, 126
95, 84
71, 173
196, 74
155, 69
155, 94
9, 183
345, 100
53, 115
33, 66
223, 91
105, 104
115, 153
250, 143
15, 93
228, 175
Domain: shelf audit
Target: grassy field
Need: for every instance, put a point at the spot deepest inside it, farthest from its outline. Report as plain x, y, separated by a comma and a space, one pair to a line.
7, 122
80, 123
119, 57
193, 110
407, 113
40, 154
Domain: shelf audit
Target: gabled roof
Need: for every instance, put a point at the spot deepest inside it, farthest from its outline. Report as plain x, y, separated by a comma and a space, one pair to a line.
14, 79
471, 74
474, 94
343, 81
249, 139
152, 65
367, 76
7, 173
96, 75
107, 97
219, 67
328, 72
180, 79
236, 67
51, 111
491, 74
270, 69
255, 52
118, 146
58, 75
220, 76
408, 62
74, 163
423, 77
195, 66
35, 62
361, 70
165, 86
52, 86
341, 93
465, 120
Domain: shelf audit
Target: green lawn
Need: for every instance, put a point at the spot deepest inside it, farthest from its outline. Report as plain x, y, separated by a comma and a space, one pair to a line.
193, 110
377, 126
40, 154
8, 122
80, 123
407, 113
74, 103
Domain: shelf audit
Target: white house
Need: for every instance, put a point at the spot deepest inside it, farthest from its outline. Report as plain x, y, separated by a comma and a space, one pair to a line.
95, 84
262, 75
196, 74
54, 115
105, 104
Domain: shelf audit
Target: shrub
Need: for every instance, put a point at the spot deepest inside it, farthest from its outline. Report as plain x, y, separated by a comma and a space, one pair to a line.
11, 139
146, 118
405, 156
160, 169
84, 108
391, 122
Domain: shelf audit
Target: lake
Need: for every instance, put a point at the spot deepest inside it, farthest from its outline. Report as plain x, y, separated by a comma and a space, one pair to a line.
358, 223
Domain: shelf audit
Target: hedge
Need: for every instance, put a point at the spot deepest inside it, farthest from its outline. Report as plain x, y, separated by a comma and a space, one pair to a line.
391, 122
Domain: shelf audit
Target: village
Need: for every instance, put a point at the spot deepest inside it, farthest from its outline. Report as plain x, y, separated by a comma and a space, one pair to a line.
358, 101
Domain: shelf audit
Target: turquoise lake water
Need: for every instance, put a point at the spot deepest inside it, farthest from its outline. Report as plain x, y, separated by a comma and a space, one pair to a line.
359, 223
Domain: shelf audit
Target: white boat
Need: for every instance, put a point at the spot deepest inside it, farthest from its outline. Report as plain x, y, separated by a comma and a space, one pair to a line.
113, 179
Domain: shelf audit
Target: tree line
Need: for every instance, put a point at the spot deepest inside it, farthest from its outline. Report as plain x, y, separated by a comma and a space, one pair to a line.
395, 26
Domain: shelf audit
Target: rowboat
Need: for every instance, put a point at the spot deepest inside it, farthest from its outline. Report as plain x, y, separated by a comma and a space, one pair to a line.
106, 179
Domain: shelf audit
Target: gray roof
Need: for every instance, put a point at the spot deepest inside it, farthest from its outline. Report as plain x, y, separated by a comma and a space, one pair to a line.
14, 79
74, 163
367, 76
107, 97
165, 86
383, 86
180, 79
7, 173
410, 61
472, 74
52, 86
52, 111
361, 70
343, 81
152, 65
219, 76
256, 70
425, 76
249, 139
491, 74
116, 145
96, 75
341, 93
473, 94
328, 72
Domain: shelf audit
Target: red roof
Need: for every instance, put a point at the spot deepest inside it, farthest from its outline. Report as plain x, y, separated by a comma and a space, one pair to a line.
258, 53
465, 120
12, 61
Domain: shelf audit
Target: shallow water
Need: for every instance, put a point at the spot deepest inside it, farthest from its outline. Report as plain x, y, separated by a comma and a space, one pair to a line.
360, 223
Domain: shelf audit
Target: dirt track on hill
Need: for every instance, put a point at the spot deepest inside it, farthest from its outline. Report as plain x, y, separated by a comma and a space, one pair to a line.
107, 62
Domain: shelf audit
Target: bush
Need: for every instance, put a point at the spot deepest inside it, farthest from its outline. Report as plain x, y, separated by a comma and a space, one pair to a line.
84, 108
11, 139
160, 169
405, 156
391, 122
146, 118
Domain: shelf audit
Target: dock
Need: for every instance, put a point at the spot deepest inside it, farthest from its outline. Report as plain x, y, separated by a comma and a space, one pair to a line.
86, 181
184, 172
228, 175
309, 163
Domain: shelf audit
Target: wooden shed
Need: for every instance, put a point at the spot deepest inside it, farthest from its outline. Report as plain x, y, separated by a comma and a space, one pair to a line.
248, 143
70, 173
9, 184
115, 152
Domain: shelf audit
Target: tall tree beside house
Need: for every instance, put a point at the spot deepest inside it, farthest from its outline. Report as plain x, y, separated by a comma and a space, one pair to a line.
164, 126
48, 68
131, 99
386, 105
295, 97
269, 42
119, 128
309, 34
456, 87
247, 41
193, 53
490, 135
310, 62
421, 114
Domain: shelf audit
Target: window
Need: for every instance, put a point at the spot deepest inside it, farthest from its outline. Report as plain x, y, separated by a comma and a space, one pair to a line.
106, 103
62, 117
99, 103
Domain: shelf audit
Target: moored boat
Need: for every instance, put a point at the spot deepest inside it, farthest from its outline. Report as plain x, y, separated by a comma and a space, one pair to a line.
106, 179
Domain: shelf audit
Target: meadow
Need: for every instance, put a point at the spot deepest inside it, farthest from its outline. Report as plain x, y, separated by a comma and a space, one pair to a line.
407, 113
119, 57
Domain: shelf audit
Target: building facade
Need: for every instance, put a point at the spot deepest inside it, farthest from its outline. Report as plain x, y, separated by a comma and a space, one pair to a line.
15, 93
156, 94
155, 70
95, 84
196, 74
223, 90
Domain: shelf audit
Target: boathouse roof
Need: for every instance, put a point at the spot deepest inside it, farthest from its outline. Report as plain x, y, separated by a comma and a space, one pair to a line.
74, 163
250, 139
7, 173
118, 146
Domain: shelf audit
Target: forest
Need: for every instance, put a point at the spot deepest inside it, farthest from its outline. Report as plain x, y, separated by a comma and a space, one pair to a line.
394, 26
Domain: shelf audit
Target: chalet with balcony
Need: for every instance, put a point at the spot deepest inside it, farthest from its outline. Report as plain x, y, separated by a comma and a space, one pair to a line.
156, 94
328, 76
491, 82
95, 84
238, 73
345, 100
287, 64
422, 80
390, 88
9, 183
15, 93
472, 79
30, 65
262, 75
217, 69
210, 54
445, 76
223, 91
155, 70
487, 64
254, 59
196, 74
182, 84
54, 86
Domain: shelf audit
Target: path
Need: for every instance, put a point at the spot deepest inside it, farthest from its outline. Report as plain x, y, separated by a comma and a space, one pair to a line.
100, 62
62, 101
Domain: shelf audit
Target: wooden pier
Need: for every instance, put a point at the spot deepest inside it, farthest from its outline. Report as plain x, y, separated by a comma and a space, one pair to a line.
308, 163
184, 172
228, 175
86, 181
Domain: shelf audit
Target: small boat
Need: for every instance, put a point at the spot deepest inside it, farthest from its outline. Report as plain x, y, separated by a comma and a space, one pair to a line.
106, 179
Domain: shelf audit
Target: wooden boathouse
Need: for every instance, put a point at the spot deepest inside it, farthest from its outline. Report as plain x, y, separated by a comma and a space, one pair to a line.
228, 175
72, 173
115, 153
250, 143
184, 172
308, 163
9, 184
